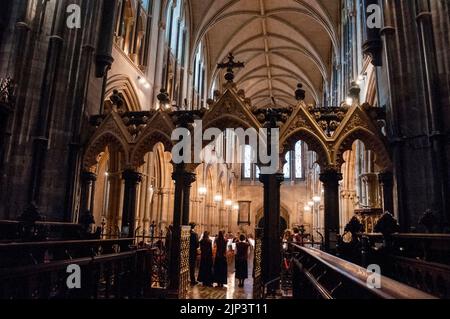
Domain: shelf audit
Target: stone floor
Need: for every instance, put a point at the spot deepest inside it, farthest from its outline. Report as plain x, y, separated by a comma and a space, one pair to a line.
230, 291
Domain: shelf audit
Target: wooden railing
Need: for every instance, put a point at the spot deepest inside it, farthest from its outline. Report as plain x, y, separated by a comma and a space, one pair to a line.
108, 269
318, 275
36, 253
418, 260
111, 276
12, 231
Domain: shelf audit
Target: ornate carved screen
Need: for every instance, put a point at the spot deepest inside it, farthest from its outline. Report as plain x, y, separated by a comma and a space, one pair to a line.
258, 285
184, 262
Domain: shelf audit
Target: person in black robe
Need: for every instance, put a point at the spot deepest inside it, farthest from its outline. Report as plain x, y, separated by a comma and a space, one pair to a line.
242, 260
193, 247
220, 263
205, 274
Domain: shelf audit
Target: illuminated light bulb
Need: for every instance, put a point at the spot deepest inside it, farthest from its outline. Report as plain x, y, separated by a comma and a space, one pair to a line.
236, 206
349, 101
146, 85
106, 174
316, 199
141, 80
311, 203
228, 203
218, 198
202, 190
307, 208
360, 78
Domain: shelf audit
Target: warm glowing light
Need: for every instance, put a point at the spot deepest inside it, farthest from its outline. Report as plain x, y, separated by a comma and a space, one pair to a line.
106, 174
202, 190
317, 199
307, 208
228, 203
349, 101
218, 198
235, 206
147, 85
310, 203
141, 80
360, 78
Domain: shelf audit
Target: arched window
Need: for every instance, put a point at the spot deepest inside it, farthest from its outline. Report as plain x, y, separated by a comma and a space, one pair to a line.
293, 169
175, 51
199, 78
134, 28
247, 167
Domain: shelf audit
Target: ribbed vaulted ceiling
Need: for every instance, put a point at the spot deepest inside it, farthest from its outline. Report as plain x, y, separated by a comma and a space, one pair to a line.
282, 43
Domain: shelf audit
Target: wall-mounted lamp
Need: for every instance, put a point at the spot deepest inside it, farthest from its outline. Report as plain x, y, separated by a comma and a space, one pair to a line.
202, 190
142, 81
164, 101
349, 101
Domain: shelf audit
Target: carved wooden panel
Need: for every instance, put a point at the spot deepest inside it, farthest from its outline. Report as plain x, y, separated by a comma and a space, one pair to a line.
184, 262
258, 285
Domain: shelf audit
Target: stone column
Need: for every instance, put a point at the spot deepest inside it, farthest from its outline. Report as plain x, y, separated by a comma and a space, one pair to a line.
183, 180
132, 180
222, 215
386, 180
104, 57
163, 206
434, 108
46, 104
271, 248
88, 180
330, 179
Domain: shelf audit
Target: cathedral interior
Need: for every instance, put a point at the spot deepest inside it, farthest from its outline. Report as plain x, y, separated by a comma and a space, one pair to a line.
349, 98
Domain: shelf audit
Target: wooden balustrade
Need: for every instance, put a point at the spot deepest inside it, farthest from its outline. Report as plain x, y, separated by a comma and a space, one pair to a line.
109, 276
418, 260
36, 253
12, 231
318, 275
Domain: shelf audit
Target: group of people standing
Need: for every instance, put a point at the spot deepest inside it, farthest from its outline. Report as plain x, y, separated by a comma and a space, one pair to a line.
214, 266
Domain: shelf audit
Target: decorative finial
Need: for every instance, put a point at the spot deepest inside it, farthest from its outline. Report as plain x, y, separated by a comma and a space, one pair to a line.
230, 66
163, 98
300, 93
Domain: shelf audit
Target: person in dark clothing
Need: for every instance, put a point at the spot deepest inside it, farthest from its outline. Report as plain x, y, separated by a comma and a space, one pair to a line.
205, 274
220, 263
242, 260
193, 247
